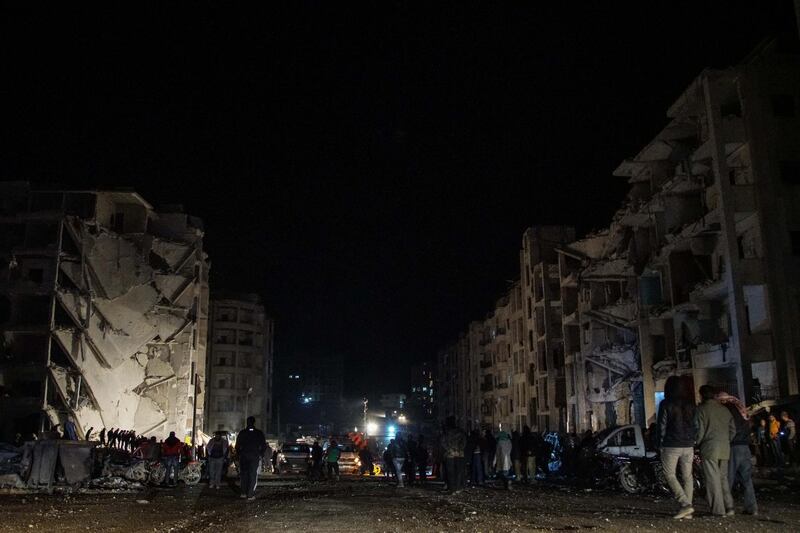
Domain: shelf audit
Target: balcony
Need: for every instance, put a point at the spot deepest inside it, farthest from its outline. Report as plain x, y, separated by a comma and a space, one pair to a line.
502, 385
487, 387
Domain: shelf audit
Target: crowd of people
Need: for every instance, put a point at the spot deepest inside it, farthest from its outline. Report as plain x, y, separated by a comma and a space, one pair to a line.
727, 439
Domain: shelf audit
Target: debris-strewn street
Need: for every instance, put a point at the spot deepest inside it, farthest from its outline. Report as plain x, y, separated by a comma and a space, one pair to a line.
371, 505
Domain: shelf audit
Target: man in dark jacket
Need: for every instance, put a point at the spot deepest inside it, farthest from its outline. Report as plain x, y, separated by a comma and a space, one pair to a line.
316, 461
674, 438
454, 443
741, 464
171, 452
250, 447
715, 431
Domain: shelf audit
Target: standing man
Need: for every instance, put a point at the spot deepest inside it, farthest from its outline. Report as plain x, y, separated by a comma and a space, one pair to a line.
332, 459
528, 451
250, 447
488, 454
217, 449
741, 465
789, 436
171, 452
715, 431
453, 443
502, 459
316, 461
775, 440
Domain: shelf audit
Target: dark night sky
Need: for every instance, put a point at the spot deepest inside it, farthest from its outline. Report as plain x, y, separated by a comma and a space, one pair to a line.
369, 172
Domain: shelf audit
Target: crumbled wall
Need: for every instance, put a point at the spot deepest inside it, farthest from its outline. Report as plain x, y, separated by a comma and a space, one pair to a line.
130, 303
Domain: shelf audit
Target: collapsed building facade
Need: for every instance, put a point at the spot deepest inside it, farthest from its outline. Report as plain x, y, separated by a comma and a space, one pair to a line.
103, 312
697, 275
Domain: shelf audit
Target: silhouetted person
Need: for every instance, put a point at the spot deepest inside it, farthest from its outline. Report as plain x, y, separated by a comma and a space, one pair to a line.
250, 447
171, 452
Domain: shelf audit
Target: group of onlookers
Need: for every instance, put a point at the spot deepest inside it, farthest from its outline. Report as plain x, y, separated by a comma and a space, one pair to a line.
774, 440
720, 428
503, 455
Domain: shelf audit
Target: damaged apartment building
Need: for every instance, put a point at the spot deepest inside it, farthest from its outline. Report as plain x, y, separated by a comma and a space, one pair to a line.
696, 275
103, 312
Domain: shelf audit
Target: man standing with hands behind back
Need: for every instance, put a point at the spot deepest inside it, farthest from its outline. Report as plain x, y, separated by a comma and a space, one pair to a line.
715, 431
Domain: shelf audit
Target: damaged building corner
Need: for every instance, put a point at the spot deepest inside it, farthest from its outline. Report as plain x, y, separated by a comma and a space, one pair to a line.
696, 275
103, 309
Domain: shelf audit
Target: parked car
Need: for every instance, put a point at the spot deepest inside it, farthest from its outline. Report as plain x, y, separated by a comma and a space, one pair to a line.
349, 463
294, 458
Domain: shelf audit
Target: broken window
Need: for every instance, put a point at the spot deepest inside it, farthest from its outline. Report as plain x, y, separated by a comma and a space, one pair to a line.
782, 105
650, 290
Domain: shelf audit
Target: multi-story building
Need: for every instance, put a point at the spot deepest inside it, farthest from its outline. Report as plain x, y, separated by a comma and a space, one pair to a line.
544, 373
103, 312
240, 363
713, 211
421, 400
696, 275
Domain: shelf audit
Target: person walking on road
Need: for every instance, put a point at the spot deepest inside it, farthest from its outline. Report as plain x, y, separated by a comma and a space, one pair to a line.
217, 449
453, 443
715, 431
674, 438
488, 454
250, 447
741, 463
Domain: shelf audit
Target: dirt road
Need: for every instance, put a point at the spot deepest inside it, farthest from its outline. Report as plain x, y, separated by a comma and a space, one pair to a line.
370, 505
